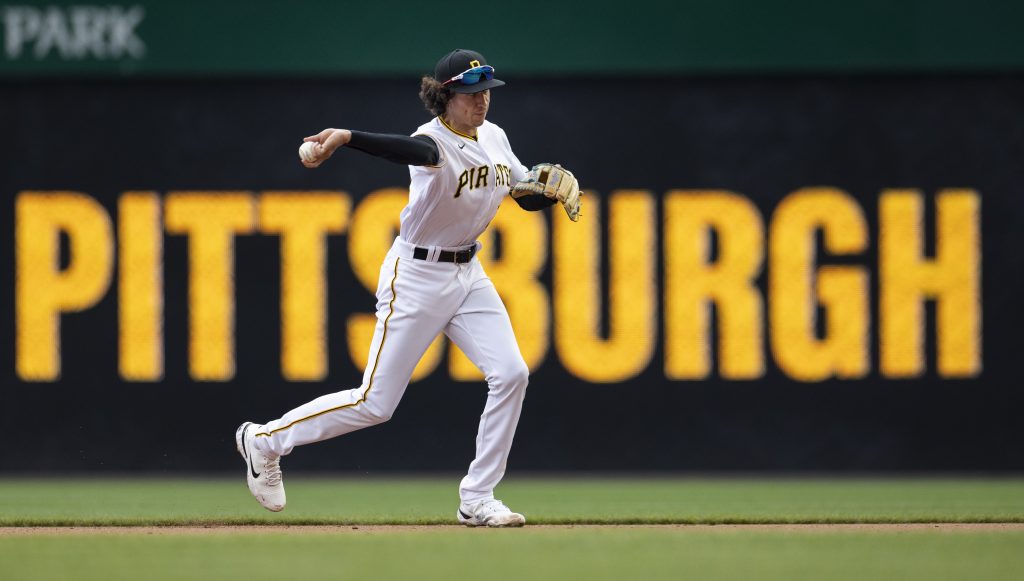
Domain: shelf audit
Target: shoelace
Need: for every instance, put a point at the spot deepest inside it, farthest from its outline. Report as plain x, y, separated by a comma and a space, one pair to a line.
493, 506
273, 471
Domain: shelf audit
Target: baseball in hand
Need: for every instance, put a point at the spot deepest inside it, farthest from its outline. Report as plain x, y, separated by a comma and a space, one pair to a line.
306, 152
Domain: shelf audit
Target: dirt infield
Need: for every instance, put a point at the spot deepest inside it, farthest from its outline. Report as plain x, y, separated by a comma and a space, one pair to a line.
384, 529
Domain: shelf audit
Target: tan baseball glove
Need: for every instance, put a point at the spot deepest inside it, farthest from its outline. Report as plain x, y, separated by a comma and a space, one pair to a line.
554, 182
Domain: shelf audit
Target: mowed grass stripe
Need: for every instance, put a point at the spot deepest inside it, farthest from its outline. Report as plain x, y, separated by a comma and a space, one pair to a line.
535, 554
428, 501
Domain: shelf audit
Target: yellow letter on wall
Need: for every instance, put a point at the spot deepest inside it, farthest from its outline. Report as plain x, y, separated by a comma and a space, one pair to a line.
42, 290
692, 284
952, 279
796, 290
303, 219
211, 220
140, 287
631, 291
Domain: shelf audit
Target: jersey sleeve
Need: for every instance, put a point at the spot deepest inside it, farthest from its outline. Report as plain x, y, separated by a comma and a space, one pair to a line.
530, 202
518, 169
442, 159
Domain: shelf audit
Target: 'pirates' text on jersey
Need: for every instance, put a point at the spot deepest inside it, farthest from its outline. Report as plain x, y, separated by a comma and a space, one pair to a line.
451, 204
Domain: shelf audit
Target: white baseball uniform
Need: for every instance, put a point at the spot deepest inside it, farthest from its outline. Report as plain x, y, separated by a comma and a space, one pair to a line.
418, 296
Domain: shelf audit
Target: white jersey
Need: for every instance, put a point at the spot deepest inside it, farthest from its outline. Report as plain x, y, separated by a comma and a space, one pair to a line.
451, 204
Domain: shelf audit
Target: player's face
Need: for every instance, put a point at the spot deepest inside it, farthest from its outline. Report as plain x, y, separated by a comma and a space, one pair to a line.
469, 109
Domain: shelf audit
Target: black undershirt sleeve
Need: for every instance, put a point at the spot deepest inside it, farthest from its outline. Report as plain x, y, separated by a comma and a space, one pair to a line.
416, 150
534, 202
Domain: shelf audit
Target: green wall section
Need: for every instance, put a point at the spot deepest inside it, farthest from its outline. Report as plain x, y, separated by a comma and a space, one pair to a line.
636, 37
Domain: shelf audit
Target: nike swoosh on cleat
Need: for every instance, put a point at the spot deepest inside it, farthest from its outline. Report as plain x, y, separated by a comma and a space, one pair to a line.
251, 469
245, 453
462, 146
464, 515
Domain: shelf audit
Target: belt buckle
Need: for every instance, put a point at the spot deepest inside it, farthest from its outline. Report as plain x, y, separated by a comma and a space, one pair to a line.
463, 256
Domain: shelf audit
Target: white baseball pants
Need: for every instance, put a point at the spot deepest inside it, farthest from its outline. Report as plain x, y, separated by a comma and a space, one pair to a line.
416, 300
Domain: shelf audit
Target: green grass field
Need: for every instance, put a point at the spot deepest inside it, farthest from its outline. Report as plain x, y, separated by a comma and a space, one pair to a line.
311, 500
534, 552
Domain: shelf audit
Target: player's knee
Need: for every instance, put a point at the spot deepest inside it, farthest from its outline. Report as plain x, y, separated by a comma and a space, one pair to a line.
521, 375
515, 375
379, 415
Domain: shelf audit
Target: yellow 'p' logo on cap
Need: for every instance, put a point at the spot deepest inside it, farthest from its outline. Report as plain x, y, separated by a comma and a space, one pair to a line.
474, 64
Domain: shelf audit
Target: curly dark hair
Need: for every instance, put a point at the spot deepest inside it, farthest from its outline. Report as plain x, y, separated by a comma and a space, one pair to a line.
434, 95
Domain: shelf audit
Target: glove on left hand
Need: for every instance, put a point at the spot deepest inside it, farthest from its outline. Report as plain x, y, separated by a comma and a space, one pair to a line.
554, 182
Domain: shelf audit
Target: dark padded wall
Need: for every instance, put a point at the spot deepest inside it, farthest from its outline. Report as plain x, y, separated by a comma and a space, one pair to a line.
762, 138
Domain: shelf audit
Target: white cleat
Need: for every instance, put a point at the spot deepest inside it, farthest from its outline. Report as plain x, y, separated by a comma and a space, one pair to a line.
263, 474
490, 513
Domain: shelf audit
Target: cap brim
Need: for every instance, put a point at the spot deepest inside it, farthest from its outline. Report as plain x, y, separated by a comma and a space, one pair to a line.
481, 86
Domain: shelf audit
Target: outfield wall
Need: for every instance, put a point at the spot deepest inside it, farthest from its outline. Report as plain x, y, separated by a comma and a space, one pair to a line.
800, 273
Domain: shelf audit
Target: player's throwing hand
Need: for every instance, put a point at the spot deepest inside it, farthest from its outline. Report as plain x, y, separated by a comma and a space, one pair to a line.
325, 144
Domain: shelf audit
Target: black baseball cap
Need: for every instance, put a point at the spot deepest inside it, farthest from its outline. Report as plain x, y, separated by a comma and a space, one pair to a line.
461, 60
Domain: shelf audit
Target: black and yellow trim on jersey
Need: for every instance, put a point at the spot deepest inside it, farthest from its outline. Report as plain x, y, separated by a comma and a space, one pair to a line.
452, 129
376, 361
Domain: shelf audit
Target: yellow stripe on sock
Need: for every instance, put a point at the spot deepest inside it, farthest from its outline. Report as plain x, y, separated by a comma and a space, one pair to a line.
376, 361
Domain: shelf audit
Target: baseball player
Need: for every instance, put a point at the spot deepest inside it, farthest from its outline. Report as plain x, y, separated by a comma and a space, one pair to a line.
461, 167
